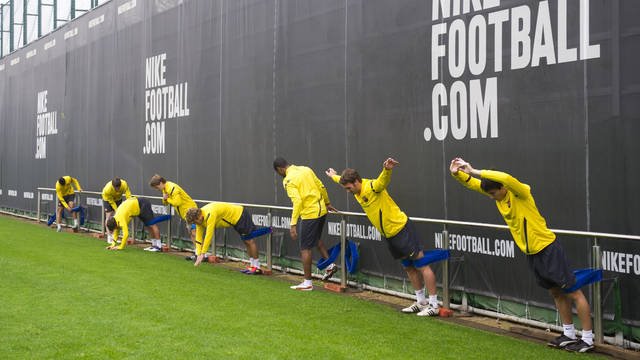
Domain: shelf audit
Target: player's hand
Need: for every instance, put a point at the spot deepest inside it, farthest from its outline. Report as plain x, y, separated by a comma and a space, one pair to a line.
198, 260
331, 172
465, 166
113, 247
165, 196
455, 165
293, 232
331, 208
390, 163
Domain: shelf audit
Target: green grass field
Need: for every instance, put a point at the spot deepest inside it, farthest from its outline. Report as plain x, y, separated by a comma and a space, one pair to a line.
64, 296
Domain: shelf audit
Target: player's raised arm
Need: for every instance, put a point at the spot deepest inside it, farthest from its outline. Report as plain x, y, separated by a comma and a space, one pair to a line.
461, 172
384, 178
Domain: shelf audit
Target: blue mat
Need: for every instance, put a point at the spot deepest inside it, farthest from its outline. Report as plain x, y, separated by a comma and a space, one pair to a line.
158, 219
429, 257
351, 257
80, 209
584, 277
255, 233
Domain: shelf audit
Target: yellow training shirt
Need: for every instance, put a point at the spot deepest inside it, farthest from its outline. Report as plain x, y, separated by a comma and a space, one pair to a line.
307, 193
380, 208
111, 195
216, 215
527, 226
178, 198
128, 209
67, 189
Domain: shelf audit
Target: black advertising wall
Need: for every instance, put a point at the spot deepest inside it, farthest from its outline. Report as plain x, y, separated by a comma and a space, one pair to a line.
207, 93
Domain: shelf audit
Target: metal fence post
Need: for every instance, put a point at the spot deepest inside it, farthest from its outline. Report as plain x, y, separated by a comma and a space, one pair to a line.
169, 233
102, 216
80, 212
214, 253
445, 271
133, 231
343, 251
269, 243
25, 29
224, 243
597, 299
38, 211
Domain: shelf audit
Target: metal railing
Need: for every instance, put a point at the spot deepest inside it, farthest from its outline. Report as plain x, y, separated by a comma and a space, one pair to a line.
595, 249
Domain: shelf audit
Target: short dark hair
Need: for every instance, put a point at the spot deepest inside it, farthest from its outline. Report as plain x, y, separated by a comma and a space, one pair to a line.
116, 182
156, 180
349, 176
111, 224
61, 181
280, 162
487, 185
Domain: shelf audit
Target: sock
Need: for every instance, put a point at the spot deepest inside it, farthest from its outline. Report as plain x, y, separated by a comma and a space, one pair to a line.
59, 226
307, 282
420, 298
587, 336
156, 242
569, 331
75, 222
255, 262
110, 239
433, 301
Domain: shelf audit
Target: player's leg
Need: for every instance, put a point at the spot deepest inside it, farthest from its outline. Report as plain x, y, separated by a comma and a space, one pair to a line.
254, 259
331, 268
70, 199
306, 256
419, 276
245, 226
551, 270
109, 212
154, 231
584, 313
423, 276
322, 249
107, 216
309, 231
428, 278
146, 215
191, 230
405, 245
59, 210
415, 278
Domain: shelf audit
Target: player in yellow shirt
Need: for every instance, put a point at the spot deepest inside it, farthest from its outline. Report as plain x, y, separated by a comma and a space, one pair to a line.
66, 199
220, 215
112, 198
133, 207
546, 257
310, 204
175, 196
396, 228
